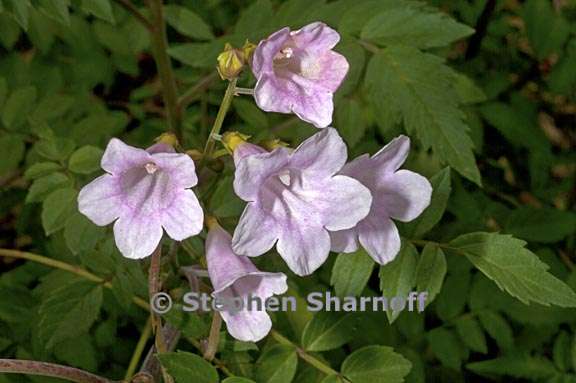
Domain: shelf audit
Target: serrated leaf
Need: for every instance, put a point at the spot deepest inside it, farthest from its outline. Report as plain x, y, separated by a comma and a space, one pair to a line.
441, 189
85, 160
56, 209
197, 55
277, 364
224, 202
516, 365
398, 277
471, 334
414, 27
547, 30
350, 121
497, 327
99, 8
187, 22
540, 225
17, 106
515, 269
44, 186
187, 367
12, 149
418, 87
69, 311
57, 9
431, 271
376, 364
236, 379
21, 11
255, 118
351, 272
81, 234
327, 331
446, 347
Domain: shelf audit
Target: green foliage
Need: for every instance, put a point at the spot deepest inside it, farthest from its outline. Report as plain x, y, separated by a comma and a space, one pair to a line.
186, 367
375, 364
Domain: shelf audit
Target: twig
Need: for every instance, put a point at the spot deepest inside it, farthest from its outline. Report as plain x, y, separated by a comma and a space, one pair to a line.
31, 367
481, 28
127, 4
194, 91
137, 354
214, 337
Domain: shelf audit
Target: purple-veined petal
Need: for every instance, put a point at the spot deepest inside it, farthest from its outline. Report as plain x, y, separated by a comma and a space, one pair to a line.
322, 154
247, 326
392, 156
262, 60
316, 36
119, 157
273, 94
380, 237
100, 200
256, 232
344, 241
304, 248
137, 237
316, 108
334, 69
181, 168
404, 195
184, 218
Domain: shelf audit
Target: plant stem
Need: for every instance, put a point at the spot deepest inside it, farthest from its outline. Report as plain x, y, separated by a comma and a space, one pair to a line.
214, 337
160, 47
14, 366
314, 362
137, 354
66, 267
226, 102
191, 94
127, 4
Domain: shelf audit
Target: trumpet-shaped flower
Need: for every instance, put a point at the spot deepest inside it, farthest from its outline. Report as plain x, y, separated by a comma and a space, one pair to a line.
298, 72
143, 191
296, 197
235, 277
399, 194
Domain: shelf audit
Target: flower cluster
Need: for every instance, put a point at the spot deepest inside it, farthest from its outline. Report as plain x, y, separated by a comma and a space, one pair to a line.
305, 202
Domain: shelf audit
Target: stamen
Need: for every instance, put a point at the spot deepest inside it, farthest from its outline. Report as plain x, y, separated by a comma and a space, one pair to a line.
151, 167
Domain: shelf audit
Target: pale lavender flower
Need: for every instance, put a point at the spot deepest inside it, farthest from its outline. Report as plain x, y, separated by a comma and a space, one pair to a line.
298, 72
399, 194
143, 191
295, 198
234, 277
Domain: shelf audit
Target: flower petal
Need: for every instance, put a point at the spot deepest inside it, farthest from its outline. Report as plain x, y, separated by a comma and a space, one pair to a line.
252, 171
100, 200
316, 107
247, 326
184, 218
118, 157
263, 57
304, 248
137, 237
256, 232
323, 154
334, 69
380, 238
404, 195
343, 202
392, 156
316, 36
180, 167
344, 241
274, 94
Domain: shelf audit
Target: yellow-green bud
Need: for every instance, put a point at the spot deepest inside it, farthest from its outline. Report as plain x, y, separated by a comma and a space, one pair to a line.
231, 140
168, 139
273, 144
230, 62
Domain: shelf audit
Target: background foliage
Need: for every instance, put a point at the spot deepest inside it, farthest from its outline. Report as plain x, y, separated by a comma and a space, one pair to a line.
485, 89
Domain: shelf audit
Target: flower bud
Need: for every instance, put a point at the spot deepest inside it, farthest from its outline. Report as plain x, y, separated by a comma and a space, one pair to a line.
168, 139
231, 140
273, 144
230, 62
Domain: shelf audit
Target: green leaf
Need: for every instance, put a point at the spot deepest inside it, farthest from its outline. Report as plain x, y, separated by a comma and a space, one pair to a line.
187, 22
57, 9
350, 121
441, 189
516, 365
236, 379
197, 55
431, 271
85, 160
540, 225
81, 234
69, 311
418, 87
351, 272
224, 202
99, 8
497, 327
18, 106
190, 325
277, 364
446, 347
52, 107
12, 149
547, 30
414, 27
21, 11
55, 148
561, 351
44, 186
398, 277
255, 118
514, 268
327, 331
187, 367
56, 209
471, 334
255, 20
41, 169
376, 364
